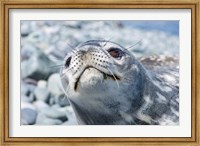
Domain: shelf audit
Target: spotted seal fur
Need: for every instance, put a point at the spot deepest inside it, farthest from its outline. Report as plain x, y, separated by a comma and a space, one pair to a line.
107, 85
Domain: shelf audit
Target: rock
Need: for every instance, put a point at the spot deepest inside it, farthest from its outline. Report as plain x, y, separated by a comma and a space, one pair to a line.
42, 84
36, 37
35, 64
57, 54
29, 98
51, 100
27, 105
62, 100
71, 121
72, 24
39, 105
70, 111
30, 81
54, 113
42, 119
50, 23
27, 51
54, 85
27, 89
24, 122
55, 88
41, 92
27, 92
28, 116
25, 28
71, 117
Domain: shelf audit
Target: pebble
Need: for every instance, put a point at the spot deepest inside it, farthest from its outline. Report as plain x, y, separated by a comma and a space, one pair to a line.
62, 100
55, 88
36, 37
42, 119
39, 105
54, 85
41, 92
42, 84
54, 113
71, 117
71, 121
69, 114
29, 98
27, 51
28, 116
27, 105
36, 66
25, 28
27, 92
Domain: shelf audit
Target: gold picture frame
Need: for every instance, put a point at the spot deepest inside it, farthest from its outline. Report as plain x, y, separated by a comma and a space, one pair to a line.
116, 4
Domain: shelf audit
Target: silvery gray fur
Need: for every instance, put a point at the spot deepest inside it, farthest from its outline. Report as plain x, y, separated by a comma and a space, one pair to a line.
107, 90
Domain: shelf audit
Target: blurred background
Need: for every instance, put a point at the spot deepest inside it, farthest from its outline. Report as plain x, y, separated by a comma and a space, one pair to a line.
44, 45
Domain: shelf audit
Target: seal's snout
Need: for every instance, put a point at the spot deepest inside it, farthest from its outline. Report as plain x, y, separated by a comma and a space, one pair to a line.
90, 66
86, 56
93, 62
82, 52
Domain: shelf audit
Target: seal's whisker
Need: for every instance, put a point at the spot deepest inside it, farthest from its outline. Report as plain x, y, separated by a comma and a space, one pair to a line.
74, 51
54, 66
71, 47
104, 52
113, 76
107, 41
62, 76
67, 89
58, 59
101, 48
68, 70
134, 44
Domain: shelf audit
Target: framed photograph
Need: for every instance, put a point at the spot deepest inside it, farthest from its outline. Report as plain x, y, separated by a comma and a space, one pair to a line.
105, 72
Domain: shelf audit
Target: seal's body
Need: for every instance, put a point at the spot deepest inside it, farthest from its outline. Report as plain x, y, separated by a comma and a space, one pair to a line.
107, 85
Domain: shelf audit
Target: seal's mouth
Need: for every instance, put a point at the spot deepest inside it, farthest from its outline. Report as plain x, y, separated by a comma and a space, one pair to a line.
105, 76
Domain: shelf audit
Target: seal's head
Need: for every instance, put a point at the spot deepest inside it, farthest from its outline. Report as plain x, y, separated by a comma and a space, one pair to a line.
97, 74
106, 84
95, 68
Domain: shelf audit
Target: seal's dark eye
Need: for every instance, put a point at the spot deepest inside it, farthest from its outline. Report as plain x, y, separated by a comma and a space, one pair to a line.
67, 63
115, 52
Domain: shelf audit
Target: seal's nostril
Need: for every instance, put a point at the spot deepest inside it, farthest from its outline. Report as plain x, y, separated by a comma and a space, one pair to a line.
82, 52
67, 63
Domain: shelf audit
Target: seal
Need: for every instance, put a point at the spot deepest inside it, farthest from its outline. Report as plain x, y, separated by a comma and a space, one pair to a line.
107, 85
